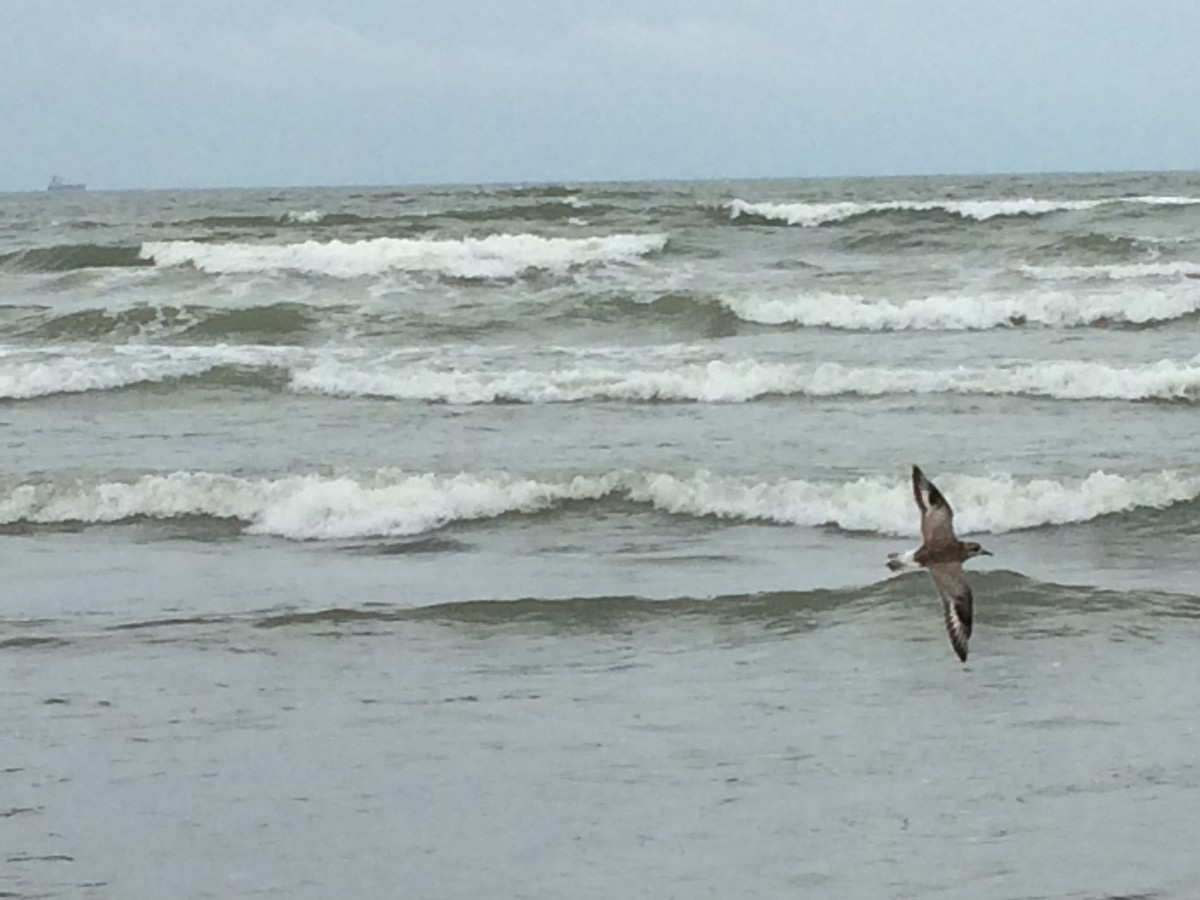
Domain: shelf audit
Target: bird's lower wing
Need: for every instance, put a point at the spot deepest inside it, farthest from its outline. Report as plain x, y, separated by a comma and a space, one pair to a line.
957, 604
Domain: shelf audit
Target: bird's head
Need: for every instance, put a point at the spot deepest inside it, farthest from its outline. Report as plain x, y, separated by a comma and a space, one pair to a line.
974, 549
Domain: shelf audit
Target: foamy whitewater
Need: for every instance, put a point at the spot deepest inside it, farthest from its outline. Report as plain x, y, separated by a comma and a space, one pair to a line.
811, 214
763, 352
494, 256
641, 377
530, 540
391, 502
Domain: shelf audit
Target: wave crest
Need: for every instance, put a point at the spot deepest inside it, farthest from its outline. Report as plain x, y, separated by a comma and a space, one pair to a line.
389, 502
25, 375
741, 381
620, 377
950, 313
72, 257
495, 256
810, 214
1114, 271
995, 504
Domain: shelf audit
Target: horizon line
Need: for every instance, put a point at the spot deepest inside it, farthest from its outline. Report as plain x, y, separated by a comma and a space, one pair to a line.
551, 182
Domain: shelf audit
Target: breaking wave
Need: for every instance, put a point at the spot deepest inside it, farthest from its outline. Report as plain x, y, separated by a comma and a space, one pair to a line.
305, 217
25, 375
496, 256
72, 257
720, 381
813, 214
552, 210
391, 502
1114, 272
1099, 247
270, 223
270, 323
950, 312
591, 376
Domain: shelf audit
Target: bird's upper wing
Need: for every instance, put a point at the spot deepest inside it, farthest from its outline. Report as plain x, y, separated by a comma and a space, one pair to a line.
937, 518
957, 604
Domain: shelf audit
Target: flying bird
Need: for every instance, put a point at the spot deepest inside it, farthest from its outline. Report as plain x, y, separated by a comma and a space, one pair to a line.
943, 554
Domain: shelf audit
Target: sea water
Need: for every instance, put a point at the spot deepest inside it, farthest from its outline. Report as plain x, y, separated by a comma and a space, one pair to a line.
529, 541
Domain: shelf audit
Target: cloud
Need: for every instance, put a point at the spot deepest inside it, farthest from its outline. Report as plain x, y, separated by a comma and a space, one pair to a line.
285, 54
319, 52
236, 91
689, 46
307, 53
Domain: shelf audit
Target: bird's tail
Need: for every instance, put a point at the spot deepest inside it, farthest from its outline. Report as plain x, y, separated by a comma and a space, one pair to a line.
902, 562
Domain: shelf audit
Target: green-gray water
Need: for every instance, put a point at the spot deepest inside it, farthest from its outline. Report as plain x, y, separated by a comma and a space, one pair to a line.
528, 541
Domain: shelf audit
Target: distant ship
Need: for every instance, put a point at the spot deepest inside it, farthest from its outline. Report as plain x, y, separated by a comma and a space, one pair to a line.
58, 186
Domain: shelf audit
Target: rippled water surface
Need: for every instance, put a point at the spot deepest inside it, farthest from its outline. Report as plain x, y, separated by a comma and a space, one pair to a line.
528, 541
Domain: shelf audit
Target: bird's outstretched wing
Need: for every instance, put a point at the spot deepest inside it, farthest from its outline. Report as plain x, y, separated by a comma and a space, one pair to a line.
956, 604
937, 518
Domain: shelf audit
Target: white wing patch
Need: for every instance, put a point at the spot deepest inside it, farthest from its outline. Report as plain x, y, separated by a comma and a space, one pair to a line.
903, 562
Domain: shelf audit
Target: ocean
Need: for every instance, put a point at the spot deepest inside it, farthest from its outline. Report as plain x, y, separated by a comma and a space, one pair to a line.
528, 541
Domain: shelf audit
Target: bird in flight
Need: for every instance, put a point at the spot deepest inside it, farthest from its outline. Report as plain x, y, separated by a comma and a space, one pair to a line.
943, 554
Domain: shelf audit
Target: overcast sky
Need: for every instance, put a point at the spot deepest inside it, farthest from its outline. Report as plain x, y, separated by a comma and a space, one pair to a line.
199, 93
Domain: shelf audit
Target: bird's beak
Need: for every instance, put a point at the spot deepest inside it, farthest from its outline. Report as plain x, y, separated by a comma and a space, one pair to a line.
987, 552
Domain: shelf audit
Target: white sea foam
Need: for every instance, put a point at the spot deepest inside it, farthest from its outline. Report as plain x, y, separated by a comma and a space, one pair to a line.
391, 502
960, 312
307, 217
495, 256
805, 214
301, 507
713, 382
981, 503
1114, 271
65, 370
1000, 503
1159, 200
720, 381
41, 376
813, 214
665, 374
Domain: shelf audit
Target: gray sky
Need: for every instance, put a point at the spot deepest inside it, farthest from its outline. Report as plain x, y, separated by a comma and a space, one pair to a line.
199, 93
